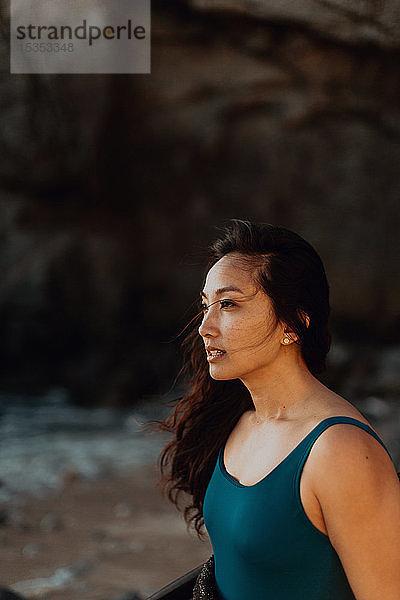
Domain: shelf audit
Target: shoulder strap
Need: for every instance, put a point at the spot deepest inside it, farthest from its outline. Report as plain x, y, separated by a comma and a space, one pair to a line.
323, 425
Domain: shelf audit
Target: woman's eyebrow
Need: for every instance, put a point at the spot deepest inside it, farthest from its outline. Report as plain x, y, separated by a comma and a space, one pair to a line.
220, 291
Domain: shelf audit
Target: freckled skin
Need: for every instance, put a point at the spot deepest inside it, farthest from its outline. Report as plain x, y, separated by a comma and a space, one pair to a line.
247, 331
243, 324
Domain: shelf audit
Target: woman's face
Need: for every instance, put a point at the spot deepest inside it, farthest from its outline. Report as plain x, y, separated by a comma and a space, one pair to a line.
239, 329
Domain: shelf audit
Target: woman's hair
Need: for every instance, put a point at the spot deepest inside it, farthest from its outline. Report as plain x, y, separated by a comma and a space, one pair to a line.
291, 273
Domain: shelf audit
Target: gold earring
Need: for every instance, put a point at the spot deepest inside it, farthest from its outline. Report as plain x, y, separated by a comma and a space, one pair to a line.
286, 340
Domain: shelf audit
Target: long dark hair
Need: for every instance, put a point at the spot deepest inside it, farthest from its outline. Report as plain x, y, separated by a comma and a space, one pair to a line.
291, 273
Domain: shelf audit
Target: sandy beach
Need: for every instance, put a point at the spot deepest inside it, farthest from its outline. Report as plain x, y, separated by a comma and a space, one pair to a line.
102, 539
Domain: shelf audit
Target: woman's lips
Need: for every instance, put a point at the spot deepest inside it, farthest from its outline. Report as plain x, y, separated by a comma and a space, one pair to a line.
214, 354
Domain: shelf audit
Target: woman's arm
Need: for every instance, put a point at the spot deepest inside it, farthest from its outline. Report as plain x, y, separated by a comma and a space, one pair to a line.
358, 490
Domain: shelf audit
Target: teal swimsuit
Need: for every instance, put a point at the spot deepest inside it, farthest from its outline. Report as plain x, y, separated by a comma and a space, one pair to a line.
265, 547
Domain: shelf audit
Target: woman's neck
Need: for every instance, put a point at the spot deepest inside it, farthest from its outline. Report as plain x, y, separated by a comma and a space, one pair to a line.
282, 391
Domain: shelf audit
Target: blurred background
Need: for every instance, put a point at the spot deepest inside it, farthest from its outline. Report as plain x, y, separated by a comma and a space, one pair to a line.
111, 187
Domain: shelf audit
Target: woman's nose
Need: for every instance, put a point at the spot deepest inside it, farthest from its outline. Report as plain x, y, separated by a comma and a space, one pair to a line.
208, 326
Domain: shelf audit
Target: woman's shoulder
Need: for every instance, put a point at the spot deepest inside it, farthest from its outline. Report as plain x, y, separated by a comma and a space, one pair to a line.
346, 453
348, 441
346, 446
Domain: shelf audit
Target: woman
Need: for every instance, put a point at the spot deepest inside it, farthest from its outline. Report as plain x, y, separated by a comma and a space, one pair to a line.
299, 495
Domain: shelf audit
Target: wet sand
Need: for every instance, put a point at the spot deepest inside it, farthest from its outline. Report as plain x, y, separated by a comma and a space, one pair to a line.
96, 540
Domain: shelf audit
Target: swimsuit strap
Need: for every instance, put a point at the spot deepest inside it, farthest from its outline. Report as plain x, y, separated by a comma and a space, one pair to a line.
323, 425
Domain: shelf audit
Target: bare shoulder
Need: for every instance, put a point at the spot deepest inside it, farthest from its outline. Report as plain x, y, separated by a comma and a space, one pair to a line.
344, 454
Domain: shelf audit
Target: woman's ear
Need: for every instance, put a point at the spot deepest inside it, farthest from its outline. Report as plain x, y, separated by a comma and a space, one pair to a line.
289, 336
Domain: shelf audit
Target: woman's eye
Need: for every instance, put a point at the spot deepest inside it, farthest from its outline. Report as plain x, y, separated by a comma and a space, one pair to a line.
227, 304
223, 304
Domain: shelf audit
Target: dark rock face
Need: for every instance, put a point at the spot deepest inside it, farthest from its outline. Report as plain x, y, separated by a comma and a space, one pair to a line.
110, 186
358, 23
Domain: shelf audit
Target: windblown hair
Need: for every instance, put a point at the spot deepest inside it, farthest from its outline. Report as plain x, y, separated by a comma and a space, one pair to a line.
291, 273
